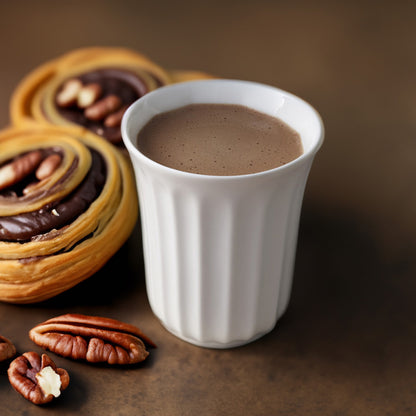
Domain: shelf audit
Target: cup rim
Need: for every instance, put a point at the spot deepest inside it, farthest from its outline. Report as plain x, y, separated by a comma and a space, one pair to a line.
132, 149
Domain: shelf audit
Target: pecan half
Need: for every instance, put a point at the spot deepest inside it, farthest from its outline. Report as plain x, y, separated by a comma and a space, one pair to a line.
48, 166
19, 168
89, 94
114, 119
7, 349
91, 338
37, 378
103, 107
69, 93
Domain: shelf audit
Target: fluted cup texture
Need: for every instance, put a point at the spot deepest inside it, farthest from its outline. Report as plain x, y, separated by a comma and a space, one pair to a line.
219, 250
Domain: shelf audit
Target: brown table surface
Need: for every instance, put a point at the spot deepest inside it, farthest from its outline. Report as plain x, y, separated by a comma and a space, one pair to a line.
346, 345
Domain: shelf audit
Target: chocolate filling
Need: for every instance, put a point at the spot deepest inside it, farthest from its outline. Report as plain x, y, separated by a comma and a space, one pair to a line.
28, 226
126, 85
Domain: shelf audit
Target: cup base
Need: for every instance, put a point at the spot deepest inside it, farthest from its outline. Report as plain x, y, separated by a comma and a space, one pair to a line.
216, 344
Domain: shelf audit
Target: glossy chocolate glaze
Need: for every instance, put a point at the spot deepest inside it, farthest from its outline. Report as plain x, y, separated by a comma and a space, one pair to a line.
126, 85
54, 216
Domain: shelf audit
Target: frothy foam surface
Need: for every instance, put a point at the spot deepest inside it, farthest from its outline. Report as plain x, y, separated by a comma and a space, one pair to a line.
219, 139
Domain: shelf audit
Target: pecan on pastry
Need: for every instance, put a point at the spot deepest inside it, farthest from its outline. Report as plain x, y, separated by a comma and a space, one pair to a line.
67, 204
89, 87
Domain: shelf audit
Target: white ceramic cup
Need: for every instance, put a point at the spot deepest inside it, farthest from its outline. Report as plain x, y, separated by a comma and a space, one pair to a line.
219, 251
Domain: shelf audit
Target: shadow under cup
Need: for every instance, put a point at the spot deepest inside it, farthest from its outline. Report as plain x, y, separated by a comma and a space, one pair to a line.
219, 251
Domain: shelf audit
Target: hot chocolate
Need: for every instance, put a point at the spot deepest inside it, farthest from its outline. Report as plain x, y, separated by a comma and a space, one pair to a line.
219, 139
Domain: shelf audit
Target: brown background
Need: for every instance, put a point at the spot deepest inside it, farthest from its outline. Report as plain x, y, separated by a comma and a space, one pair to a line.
346, 345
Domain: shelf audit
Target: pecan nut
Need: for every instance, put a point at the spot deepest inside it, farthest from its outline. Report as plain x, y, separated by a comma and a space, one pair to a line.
7, 349
16, 170
89, 94
103, 107
48, 166
69, 93
37, 378
114, 119
91, 338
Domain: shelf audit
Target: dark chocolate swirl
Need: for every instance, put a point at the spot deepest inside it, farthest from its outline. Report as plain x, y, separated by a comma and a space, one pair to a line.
29, 225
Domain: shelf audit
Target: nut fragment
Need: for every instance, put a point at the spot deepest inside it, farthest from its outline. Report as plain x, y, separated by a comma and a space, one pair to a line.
91, 338
16, 170
37, 378
7, 349
48, 166
114, 119
103, 107
49, 381
89, 94
69, 93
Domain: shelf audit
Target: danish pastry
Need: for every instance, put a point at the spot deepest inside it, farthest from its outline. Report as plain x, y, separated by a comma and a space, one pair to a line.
67, 204
90, 87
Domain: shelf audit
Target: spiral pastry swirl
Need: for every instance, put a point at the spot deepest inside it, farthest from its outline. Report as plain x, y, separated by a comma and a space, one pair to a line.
90, 87
67, 204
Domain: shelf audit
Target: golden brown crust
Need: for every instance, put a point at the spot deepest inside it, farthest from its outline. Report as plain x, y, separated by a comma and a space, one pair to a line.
36, 270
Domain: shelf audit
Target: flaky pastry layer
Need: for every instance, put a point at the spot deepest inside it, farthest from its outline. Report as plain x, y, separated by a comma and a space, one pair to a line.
43, 266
